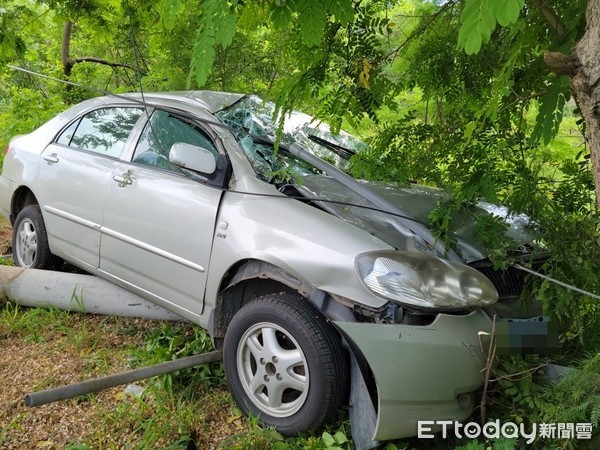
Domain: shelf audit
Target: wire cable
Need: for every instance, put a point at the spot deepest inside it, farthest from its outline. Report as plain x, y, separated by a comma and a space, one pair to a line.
555, 281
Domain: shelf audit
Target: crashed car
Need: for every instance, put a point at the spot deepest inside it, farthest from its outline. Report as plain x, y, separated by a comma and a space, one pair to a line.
322, 290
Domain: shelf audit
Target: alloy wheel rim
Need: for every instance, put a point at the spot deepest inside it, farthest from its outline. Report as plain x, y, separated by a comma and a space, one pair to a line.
273, 369
26, 243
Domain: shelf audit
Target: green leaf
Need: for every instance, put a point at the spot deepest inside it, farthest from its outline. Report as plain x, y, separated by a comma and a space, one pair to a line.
340, 438
226, 30
169, 9
342, 10
507, 11
477, 25
550, 112
203, 58
216, 26
469, 128
328, 439
312, 21
281, 16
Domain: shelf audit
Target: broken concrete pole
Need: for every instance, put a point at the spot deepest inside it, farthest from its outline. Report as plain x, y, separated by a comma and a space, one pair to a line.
75, 292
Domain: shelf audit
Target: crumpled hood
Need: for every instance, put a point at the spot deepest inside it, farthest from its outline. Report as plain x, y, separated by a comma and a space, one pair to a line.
416, 201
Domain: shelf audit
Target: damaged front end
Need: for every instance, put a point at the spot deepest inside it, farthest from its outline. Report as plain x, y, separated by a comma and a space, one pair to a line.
420, 356
424, 352
405, 373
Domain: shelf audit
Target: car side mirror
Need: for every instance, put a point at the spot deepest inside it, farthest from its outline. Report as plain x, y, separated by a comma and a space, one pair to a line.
193, 157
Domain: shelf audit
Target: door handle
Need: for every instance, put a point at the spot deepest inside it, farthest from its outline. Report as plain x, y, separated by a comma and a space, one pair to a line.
51, 159
123, 180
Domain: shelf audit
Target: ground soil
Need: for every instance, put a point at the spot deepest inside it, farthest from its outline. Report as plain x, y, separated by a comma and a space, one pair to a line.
85, 346
5, 236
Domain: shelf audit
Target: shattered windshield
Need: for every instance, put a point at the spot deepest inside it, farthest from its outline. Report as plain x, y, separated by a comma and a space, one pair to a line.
252, 115
280, 167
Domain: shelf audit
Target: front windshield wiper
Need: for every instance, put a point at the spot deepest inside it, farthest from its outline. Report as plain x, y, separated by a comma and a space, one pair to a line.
343, 152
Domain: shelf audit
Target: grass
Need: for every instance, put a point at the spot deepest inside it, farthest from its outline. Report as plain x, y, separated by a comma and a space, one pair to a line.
188, 409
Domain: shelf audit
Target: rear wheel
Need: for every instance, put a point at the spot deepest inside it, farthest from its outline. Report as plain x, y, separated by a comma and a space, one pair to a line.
285, 364
30, 242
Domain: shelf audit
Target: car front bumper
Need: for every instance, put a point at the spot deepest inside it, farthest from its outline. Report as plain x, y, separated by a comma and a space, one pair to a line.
422, 372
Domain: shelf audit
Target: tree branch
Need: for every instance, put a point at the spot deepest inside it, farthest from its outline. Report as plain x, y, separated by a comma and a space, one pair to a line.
417, 33
550, 15
106, 63
65, 48
560, 64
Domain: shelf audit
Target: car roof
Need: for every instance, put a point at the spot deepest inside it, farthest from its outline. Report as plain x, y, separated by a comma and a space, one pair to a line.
211, 101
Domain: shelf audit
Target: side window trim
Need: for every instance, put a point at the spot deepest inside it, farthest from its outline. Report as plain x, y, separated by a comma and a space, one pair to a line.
65, 129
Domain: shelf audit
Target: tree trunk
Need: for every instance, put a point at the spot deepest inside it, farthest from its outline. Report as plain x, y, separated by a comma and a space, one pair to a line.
586, 85
65, 50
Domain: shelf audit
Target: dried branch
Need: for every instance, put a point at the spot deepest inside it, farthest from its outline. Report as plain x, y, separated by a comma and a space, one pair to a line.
106, 63
512, 376
488, 370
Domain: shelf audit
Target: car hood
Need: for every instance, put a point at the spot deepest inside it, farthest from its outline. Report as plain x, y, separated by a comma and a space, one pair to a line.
417, 202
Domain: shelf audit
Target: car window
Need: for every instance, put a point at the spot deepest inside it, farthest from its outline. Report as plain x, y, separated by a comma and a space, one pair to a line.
160, 133
271, 166
102, 131
254, 116
65, 137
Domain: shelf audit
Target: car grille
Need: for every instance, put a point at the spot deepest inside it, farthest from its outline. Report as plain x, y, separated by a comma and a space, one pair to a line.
510, 282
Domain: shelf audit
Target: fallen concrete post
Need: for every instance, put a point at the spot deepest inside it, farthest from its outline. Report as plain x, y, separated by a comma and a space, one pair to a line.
75, 292
98, 384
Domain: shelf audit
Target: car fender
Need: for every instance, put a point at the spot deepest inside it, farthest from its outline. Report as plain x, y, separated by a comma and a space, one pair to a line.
306, 243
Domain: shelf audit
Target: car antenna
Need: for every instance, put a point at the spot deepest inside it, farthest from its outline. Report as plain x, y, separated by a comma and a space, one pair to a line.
136, 53
69, 83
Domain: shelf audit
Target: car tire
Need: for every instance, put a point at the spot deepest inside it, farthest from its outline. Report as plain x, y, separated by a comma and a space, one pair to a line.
30, 241
285, 364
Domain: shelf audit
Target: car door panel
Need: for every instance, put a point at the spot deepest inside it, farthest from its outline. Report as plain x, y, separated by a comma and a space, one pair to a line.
73, 198
157, 234
75, 174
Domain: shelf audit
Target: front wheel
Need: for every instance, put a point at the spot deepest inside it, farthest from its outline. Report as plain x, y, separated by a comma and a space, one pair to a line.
30, 242
285, 364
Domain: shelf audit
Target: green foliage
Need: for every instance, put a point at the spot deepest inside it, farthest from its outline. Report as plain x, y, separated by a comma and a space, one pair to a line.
473, 119
341, 10
479, 19
521, 394
255, 439
312, 19
23, 109
334, 442
576, 398
172, 341
334, 438
169, 10
31, 322
550, 114
517, 389
216, 27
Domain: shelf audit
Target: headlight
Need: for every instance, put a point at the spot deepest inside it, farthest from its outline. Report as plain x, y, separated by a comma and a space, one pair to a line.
424, 281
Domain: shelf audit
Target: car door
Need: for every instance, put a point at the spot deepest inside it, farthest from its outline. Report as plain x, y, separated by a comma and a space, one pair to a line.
159, 219
75, 176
